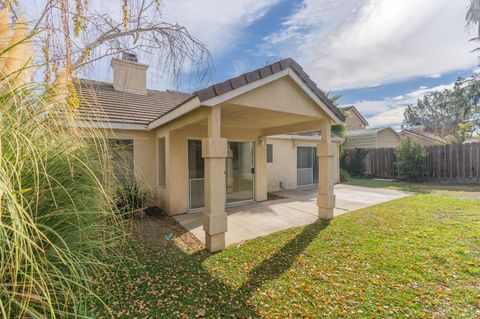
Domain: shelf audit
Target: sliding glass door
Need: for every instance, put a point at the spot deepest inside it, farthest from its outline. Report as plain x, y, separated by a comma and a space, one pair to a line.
196, 180
239, 173
307, 166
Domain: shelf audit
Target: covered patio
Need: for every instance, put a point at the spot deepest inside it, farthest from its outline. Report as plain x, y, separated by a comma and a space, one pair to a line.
208, 139
298, 208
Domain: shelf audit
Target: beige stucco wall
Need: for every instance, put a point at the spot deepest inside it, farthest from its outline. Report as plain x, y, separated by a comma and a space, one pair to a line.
282, 95
284, 165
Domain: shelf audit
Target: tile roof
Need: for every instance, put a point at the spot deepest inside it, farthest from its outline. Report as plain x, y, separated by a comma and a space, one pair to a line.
258, 74
101, 103
353, 108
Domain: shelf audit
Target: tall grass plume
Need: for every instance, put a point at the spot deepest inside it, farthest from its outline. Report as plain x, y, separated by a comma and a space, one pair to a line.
56, 215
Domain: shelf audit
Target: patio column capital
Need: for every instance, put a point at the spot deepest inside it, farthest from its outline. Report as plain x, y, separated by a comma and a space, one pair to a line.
326, 149
214, 147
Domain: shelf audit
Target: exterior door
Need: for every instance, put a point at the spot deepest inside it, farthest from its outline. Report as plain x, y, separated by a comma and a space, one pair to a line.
196, 178
307, 166
240, 172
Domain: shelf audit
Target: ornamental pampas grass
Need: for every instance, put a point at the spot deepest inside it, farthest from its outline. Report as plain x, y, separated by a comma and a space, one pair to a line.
15, 62
56, 214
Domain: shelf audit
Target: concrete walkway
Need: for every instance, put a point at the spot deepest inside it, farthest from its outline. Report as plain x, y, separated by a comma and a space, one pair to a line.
259, 219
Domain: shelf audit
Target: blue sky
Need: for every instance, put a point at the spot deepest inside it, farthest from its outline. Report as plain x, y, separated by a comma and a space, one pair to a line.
380, 55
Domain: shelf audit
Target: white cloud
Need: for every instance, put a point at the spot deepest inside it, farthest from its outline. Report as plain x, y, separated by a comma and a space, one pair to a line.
389, 112
369, 108
393, 117
360, 43
217, 23
434, 76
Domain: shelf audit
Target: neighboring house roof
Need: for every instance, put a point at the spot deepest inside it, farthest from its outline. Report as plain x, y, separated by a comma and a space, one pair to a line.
425, 135
368, 131
101, 103
354, 109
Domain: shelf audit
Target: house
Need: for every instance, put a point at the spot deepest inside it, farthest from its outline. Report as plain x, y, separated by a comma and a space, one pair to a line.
359, 136
354, 120
419, 135
372, 138
209, 148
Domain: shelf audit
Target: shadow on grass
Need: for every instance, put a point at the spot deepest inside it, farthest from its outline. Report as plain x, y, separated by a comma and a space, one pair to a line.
163, 281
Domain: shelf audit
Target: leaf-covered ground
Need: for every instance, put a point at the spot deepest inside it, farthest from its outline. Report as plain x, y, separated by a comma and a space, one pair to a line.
417, 257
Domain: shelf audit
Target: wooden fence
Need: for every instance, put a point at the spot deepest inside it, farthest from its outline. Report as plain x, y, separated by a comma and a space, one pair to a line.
460, 162
379, 162
454, 162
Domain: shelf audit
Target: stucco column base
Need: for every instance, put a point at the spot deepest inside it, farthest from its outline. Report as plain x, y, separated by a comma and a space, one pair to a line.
325, 213
215, 224
216, 242
325, 196
325, 204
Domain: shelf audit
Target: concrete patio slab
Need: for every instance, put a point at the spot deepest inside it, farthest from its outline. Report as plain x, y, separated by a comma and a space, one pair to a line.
299, 208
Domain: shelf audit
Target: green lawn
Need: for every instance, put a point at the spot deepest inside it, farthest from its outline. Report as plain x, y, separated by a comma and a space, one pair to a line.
417, 257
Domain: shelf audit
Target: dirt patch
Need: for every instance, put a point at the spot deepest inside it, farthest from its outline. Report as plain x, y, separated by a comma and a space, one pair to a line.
161, 228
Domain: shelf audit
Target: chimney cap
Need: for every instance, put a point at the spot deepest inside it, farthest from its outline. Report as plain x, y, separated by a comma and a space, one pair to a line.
129, 56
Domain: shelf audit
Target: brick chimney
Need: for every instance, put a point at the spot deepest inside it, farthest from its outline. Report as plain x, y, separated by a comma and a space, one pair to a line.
129, 75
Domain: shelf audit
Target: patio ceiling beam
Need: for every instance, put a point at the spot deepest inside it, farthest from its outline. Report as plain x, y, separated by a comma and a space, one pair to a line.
196, 116
293, 128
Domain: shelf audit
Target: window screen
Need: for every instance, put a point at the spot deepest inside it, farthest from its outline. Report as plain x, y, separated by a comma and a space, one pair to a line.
269, 153
161, 161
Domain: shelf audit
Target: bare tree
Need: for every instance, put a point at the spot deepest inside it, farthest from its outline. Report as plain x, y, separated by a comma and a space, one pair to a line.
473, 18
75, 35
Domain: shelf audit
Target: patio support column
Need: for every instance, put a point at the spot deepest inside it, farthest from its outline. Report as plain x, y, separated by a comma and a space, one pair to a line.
214, 151
261, 169
326, 155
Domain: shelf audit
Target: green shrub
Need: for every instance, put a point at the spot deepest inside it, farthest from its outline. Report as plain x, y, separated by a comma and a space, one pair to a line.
344, 176
354, 165
410, 160
129, 199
